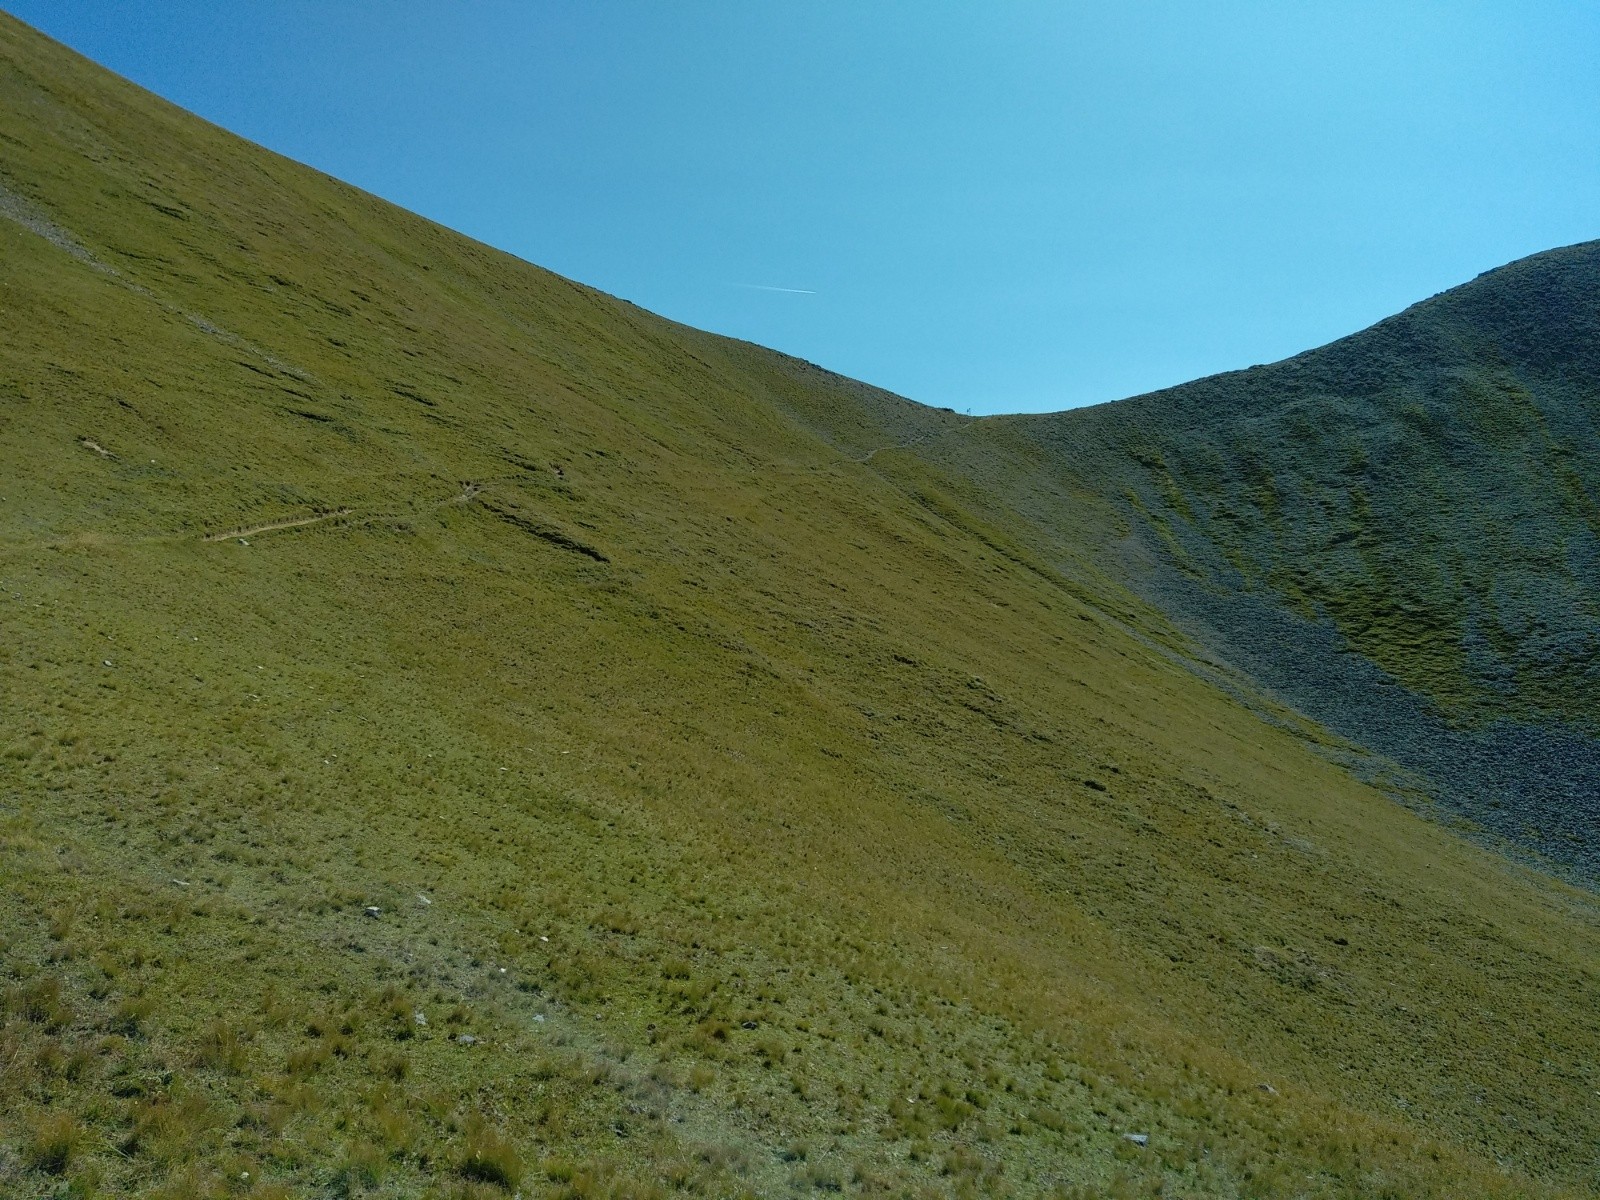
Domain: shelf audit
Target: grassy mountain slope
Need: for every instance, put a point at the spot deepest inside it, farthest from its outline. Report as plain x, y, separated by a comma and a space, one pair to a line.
746, 807
1424, 494
1429, 485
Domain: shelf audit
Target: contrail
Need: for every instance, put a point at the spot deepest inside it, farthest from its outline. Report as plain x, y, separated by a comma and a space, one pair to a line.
763, 287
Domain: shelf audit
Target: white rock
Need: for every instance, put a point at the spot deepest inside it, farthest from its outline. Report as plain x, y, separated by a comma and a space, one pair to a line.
1138, 1139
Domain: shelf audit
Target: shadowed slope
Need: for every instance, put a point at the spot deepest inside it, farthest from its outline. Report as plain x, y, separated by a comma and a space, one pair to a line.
1398, 533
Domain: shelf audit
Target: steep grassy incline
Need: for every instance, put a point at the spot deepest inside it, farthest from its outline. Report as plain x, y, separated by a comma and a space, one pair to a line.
1431, 485
1425, 494
465, 735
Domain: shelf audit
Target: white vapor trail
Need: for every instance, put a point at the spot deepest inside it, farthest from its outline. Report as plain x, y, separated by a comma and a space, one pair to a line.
764, 287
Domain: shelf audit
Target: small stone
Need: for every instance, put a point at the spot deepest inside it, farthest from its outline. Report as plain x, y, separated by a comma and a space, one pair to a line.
1138, 1139
181, 882
748, 1025
539, 1017
242, 542
420, 1017
423, 898
105, 662
1268, 1089
374, 911
466, 1039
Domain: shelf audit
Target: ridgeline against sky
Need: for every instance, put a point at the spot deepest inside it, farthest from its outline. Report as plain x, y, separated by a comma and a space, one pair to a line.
1019, 207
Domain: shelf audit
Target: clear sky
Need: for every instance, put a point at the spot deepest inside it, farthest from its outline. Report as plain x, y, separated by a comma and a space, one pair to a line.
994, 206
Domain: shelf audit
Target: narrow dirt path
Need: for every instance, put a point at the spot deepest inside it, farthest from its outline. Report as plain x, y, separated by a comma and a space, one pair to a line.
250, 531
469, 492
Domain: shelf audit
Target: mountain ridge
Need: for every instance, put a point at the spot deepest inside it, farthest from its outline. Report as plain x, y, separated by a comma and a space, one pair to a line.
1396, 533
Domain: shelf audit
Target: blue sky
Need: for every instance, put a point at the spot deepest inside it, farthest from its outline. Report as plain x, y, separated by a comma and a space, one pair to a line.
990, 206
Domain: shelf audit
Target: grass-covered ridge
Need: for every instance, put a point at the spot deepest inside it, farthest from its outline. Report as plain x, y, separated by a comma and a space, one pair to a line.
1439, 501
748, 804
1399, 533
1442, 503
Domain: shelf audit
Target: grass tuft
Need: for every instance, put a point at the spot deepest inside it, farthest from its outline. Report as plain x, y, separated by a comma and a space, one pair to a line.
53, 1142
488, 1155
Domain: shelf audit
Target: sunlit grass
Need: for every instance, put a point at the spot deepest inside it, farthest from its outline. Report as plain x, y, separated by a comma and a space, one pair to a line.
812, 838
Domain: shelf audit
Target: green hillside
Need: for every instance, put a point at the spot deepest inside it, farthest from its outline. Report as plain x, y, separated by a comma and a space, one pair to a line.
463, 735
1424, 494
1429, 485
